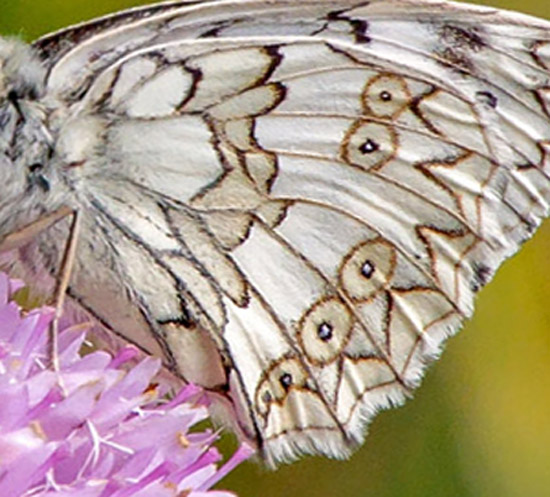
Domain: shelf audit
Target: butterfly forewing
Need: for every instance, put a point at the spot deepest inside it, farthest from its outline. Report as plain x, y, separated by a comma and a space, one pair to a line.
298, 199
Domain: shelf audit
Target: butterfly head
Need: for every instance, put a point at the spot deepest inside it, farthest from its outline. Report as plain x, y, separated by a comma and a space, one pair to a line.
25, 143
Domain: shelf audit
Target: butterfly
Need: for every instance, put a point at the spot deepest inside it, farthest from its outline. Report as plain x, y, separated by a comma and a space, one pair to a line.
292, 203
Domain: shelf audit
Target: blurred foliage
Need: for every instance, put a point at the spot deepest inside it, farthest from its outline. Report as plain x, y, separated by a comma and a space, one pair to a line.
480, 424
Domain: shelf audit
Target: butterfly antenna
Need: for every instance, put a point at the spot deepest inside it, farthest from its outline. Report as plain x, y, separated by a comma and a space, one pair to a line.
67, 264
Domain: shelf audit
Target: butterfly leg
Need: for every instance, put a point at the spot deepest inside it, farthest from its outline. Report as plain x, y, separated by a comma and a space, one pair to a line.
21, 237
67, 263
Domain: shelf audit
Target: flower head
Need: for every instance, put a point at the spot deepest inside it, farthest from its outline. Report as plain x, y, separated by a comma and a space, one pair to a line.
94, 429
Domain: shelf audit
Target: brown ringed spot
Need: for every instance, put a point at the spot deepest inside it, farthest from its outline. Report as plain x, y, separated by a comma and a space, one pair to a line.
369, 145
324, 330
367, 269
386, 96
277, 380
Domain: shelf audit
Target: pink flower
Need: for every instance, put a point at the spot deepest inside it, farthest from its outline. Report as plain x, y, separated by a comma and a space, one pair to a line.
94, 429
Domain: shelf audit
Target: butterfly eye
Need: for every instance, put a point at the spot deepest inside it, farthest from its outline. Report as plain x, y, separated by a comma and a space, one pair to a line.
13, 98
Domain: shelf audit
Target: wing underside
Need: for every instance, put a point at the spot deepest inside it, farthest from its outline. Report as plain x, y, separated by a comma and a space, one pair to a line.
312, 195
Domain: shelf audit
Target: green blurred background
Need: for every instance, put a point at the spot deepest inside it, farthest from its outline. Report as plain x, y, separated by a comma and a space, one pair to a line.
480, 424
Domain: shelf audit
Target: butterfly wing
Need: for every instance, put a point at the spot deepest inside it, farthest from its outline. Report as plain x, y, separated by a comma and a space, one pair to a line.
297, 201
